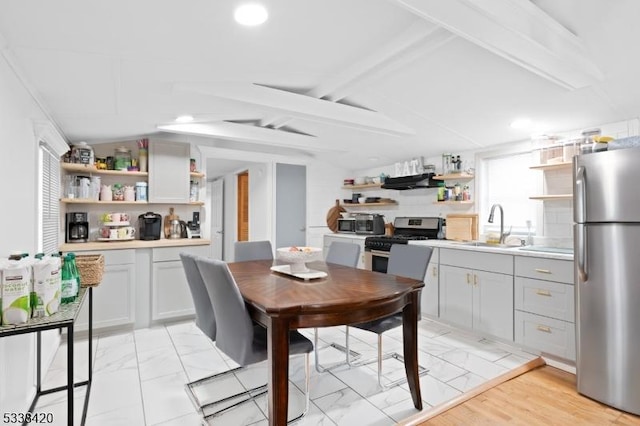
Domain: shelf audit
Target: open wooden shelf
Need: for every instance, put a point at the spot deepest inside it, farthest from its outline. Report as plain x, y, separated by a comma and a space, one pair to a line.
454, 203
555, 166
92, 201
552, 197
369, 204
454, 176
85, 168
363, 186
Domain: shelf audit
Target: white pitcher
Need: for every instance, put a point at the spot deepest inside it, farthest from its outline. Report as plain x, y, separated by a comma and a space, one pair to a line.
105, 193
129, 193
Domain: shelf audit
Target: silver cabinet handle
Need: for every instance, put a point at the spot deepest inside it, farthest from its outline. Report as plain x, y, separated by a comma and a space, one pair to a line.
544, 328
541, 292
475, 279
435, 271
468, 278
542, 271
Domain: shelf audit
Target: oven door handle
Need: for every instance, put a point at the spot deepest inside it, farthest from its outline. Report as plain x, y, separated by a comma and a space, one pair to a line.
379, 253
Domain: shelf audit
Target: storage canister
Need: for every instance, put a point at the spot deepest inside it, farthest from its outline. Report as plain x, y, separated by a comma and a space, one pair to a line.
141, 191
122, 158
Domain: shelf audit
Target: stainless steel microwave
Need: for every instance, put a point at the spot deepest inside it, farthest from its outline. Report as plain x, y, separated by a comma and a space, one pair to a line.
347, 225
370, 224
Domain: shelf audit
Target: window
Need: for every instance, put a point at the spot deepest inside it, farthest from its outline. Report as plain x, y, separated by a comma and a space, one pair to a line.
508, 181
48, 196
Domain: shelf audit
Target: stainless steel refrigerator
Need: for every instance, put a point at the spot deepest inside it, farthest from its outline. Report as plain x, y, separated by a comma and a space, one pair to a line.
606, 210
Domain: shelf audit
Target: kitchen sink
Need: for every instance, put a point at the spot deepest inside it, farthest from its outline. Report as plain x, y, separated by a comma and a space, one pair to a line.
484, 244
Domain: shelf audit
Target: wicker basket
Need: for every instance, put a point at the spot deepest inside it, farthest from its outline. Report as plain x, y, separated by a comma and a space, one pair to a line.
91, 268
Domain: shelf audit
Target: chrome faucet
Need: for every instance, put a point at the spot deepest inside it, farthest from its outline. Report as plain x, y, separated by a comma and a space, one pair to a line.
503, 234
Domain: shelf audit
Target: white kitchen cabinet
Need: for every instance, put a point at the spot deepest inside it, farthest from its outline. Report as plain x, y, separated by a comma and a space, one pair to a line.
328, 239
544, 303
114, 299
476, 291
169, 172
170, 294
429, 299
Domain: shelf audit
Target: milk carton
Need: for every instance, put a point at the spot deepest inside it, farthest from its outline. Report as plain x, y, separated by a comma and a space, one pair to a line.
46, 286
16, 283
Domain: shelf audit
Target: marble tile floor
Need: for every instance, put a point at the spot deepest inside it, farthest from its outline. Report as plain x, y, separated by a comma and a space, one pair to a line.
139, 377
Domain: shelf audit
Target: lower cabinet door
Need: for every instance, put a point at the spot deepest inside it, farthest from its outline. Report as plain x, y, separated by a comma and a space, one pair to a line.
170, 294
456, 293
493, 304
113, 299
430, 293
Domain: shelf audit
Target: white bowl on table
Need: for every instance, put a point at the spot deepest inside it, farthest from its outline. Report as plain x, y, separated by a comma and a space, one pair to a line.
298, 256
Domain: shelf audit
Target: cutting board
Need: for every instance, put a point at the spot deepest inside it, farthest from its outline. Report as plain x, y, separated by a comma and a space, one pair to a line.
462, 227
333, 215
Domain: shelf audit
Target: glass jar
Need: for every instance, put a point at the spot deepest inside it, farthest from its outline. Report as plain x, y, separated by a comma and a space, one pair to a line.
122, 159
193, 191
141, 191
118, 192
441, 191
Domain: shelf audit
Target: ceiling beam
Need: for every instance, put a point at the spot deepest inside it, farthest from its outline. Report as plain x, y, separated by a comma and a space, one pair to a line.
518, 31
301, 106
416, 41
251, 134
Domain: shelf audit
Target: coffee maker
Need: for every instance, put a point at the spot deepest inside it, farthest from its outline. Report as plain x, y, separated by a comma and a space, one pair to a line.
150, 226
77, 227
193, 226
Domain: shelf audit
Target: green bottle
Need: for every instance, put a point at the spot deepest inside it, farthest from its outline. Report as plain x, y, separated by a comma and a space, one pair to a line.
75, 274
68, 281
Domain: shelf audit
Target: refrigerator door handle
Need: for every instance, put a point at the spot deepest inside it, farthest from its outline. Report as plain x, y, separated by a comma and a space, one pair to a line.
580, 195
581, 243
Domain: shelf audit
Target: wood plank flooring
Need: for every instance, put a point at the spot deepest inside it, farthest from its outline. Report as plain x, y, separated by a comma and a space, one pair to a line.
543, 396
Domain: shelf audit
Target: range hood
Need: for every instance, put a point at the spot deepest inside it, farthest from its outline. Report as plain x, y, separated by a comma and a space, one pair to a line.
424, 180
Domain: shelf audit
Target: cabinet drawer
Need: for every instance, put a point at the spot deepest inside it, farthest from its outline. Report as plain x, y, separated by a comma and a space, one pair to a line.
501, 263
546, 334
167, 254
545, 269
115, 257
548, 298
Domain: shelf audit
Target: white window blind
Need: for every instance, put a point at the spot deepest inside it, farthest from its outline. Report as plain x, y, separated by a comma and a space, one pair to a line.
49, 192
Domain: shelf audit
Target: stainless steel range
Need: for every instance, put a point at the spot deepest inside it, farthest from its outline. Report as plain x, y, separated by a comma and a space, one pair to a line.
377, 248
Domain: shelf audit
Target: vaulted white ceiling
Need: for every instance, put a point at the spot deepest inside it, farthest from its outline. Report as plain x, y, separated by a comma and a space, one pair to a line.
336, 80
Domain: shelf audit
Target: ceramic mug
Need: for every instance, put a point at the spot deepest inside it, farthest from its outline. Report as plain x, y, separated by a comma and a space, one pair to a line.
126, 232
104, 232
113, 233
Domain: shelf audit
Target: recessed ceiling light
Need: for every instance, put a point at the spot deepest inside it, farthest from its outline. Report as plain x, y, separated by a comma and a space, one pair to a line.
521, 123
251, 14
184, 119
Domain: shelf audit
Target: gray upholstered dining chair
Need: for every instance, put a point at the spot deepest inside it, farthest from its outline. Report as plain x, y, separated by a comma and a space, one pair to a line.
405, 260
206, 322
252, 250
236, 335
345, 254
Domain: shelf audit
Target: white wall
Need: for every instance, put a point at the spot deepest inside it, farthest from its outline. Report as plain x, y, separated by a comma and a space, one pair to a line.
18, 180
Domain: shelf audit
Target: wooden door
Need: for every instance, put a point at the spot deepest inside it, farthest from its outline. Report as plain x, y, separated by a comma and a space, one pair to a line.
243, 207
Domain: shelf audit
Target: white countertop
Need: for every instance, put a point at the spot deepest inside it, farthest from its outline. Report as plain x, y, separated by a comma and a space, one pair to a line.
135, 244
516, 251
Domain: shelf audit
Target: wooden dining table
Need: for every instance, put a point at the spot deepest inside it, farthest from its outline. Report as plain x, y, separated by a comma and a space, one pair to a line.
346, 295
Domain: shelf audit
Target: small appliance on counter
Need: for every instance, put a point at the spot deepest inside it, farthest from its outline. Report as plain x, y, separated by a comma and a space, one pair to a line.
193, 226
370, 224
77, 227
150, 226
